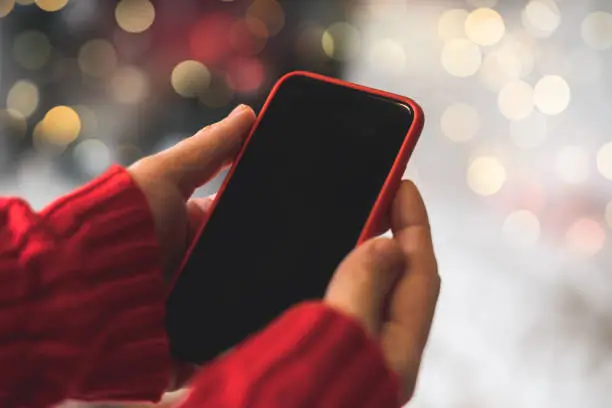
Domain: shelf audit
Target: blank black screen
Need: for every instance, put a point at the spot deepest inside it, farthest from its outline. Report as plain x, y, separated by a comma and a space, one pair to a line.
293, 209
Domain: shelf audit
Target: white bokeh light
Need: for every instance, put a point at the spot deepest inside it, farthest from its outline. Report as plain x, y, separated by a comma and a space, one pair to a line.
522, 228
541, 18
552, 95
516, 100
486, 175
485, 26
461, 57
451, 24
596, 30
586, 237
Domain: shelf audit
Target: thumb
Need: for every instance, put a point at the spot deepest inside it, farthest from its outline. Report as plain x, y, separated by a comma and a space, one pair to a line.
195, 160
363, 281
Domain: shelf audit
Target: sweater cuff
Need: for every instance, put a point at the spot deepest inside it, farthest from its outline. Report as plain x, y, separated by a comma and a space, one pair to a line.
118, 294
312, 355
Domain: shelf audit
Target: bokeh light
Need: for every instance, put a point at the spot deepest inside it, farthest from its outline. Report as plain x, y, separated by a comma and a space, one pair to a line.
129, 85
270, 12
51, 5
608, 214
92, 156
461, 57
572, 164
135, 16
308, 45
541, 18
486, 176
209, 40
597, 30
341, 41
23, 97
189, 78
60, 127
245, 75
552, 95
451, 24
485, 26
388, 57
460, 122
586, 236
604, 160
98, 58
516, 100
245, 41
31, 49
6, 6
530, 131
522, 228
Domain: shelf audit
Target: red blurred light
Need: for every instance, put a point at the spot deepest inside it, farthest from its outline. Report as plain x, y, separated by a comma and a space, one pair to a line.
244, 41
245, 75
209, 40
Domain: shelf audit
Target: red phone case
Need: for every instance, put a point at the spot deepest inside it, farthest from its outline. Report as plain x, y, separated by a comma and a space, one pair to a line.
381, 206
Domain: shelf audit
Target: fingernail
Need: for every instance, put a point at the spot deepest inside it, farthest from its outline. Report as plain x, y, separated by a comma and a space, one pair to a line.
237, 110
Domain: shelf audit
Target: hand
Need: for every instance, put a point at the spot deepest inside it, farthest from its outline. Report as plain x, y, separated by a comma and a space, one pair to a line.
169, 178
391, 286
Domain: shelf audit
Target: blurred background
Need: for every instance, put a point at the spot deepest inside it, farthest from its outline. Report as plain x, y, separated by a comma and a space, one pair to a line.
515, 162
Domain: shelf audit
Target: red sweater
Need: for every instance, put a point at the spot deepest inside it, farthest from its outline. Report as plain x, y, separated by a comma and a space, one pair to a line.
81, 317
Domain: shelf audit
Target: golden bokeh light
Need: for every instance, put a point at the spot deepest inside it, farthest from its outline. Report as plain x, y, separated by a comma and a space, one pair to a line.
541, 18
189, 78
6, 6
135, 16
460, 122
129, 85
485, 26
572, 164
608, 214
552, 95
98, 58
388, 56
341, 41
51, 5
596, 30
522, 228
529, 132
23, 97
32, 49
486, 176
60, 127
604, 160
586, 237
270, 12
515, 100
461, 57
451, 24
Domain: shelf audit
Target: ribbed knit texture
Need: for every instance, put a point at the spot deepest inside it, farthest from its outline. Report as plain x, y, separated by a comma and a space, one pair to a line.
81, 298
311, 357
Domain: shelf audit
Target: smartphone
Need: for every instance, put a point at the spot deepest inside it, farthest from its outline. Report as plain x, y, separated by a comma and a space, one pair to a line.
313, 179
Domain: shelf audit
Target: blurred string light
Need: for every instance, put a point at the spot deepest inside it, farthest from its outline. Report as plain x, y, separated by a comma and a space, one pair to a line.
461, 57
486, 175
596, 30
341, 41
451, 24
135, 16
552, 95
530, 131
23, 97
189, 78
460, 122
388, 56
97, 58
269, 12
608, 214
586, 236
6, 6
32, 49
572, 164
516, 100
541, 18
51, 5
604, 160
522, 228
485, 26
129, 85
60, 127
92, 156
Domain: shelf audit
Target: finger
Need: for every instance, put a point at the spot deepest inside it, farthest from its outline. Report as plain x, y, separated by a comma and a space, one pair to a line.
195, 160
364, 279
197, 213
414, 300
